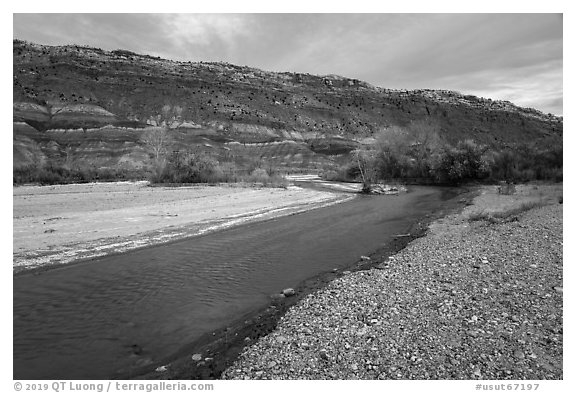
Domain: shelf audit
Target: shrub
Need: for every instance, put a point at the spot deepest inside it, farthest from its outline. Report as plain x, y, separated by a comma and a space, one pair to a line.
57, 174
261, 176
188, 167
464, 162
505, 215
507, 189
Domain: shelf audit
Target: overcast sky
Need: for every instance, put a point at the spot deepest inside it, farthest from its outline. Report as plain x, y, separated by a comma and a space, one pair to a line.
515, 57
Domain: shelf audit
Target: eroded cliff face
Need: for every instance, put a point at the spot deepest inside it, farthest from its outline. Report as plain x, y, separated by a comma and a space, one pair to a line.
94, 105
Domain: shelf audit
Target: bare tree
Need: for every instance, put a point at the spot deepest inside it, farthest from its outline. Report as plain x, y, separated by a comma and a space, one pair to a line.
367, 167
156, 140
169, 116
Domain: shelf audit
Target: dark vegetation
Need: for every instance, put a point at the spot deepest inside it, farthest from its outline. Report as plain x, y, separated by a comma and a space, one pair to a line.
61, 174
418, 154
190, 167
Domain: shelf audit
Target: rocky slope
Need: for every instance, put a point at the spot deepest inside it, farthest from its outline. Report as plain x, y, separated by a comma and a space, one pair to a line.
58, 88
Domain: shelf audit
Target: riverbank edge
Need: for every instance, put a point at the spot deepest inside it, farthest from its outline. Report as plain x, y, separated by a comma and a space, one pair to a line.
164, 236
220, 348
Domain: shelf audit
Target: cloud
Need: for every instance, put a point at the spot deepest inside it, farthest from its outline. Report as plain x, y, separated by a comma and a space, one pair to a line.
208, 37
203, 28
138, 32
538, 86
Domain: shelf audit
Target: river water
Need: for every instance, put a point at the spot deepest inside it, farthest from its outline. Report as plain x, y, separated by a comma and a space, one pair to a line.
104, 318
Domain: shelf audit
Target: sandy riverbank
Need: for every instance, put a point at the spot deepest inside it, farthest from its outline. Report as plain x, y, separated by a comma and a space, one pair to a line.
479, 297
65, 223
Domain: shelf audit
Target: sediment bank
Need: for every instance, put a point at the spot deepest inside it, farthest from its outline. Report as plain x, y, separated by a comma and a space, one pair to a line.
55, 225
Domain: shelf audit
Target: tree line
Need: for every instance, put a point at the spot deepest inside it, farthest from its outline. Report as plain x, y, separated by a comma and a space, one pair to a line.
418, 154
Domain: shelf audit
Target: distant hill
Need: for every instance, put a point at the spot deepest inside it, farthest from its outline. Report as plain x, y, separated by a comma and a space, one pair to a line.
91, 104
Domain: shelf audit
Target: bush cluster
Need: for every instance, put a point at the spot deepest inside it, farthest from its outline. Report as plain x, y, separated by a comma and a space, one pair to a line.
419, 155
60, 174
190, 167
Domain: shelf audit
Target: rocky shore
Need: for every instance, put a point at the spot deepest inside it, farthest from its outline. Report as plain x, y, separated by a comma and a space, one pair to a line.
480, 297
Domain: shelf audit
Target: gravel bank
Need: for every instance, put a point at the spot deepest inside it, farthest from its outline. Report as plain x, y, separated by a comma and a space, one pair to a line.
473, 299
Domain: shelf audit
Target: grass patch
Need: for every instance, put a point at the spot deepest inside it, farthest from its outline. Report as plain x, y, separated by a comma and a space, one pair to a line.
508, 215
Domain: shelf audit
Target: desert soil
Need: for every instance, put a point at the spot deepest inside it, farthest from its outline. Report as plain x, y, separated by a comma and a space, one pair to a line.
65, 223
473, 299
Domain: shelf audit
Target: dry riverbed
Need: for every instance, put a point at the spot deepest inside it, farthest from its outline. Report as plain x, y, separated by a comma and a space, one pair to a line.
479, 297
65, 223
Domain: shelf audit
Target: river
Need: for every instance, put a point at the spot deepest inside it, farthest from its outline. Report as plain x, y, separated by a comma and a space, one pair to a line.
105, 318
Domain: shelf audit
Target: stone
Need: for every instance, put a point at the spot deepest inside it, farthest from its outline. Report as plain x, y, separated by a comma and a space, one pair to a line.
288, 292
197, 357
362, 331
365, 258
281, 339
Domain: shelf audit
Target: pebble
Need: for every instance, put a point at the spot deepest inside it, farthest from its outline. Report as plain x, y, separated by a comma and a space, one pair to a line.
519, 354
272, 364
197, 357
281, 339
288, 292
